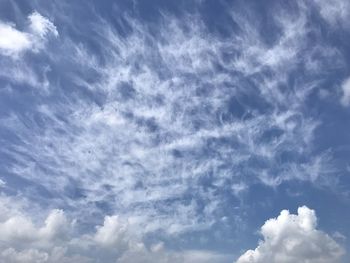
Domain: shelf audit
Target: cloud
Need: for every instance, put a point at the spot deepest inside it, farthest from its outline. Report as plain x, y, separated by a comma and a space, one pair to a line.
345, 99
56, 255
58, 240
41, 26
31, 255
2, 183
158, 254
335, 13
160, 128
168, 123
14, 42
111, 233
21, 229
294, 238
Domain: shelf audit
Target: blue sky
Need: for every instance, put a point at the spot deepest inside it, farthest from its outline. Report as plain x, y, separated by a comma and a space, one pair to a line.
174, 131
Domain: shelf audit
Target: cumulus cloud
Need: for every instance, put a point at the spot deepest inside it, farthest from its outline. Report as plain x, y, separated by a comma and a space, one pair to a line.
13, 42
21, 229
345, 99
112, 232
293, 238
58, 241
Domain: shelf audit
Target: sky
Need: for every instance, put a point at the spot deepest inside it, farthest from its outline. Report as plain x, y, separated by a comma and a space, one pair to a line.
188, 131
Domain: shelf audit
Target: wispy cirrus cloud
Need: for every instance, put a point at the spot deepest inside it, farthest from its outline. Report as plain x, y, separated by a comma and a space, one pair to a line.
161, 127
163, 122
334, 13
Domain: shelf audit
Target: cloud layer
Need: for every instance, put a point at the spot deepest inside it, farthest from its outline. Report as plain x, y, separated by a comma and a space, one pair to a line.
56, 240
173, 120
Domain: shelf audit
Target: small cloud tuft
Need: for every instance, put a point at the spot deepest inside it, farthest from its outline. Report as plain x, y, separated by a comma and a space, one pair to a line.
345, 99
14, 42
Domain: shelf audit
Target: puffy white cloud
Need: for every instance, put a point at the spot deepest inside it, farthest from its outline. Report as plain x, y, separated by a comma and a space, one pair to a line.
112, 232
345, 99
293, 238
57, 241
13, 41
56, 225
19, 229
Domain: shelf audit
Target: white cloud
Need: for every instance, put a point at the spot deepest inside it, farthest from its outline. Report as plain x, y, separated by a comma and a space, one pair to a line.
2, 183
10, 255
335, 12
13, 42
167, 124
41, 26
21, 229
56, 255
345, 99
159, 131
294, 238
138, 253
56, 225
112, 232
58, 241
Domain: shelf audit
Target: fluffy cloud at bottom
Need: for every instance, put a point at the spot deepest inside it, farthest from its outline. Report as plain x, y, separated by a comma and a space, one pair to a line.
294, 238
57, 239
